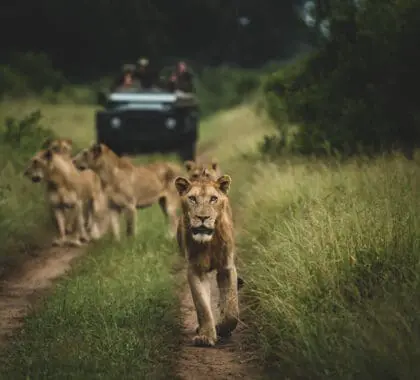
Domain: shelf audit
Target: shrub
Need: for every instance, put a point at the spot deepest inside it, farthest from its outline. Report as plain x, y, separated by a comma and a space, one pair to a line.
24, 219
358, 91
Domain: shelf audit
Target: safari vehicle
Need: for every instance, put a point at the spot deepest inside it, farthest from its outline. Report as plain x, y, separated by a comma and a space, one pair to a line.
149, 122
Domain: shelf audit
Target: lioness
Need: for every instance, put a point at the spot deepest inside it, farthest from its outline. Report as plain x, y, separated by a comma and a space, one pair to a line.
70, 193
61, 146
195, 170
205, 237
96, 213
130, 187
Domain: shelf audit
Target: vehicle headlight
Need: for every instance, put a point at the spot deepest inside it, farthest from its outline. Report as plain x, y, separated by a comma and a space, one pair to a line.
170, 123
115, 122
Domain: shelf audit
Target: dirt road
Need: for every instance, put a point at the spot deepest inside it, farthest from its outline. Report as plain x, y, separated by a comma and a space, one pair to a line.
20, 291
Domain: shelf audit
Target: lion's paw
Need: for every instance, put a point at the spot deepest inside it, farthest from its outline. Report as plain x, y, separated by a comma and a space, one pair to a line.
58, 242
203, 341
74, 242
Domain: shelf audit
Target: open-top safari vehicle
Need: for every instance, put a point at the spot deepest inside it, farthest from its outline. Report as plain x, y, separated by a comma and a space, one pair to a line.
149, 121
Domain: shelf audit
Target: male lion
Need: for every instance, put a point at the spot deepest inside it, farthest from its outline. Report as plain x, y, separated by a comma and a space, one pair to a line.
206, 238
70, 193
130, 187
199, 171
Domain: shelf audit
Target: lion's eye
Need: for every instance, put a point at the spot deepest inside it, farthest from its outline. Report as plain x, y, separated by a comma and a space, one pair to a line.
213, 199
193, 199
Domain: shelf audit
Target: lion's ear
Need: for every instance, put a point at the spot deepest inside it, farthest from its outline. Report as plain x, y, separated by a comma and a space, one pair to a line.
69, 141
46, 143
182, 185
97, 150
214, 165
48, 155
224, 183
188, 165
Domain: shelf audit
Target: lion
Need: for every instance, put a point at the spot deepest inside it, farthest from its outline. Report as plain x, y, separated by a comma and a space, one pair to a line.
64, 146
131, 187
195, 170
71, 194
206, 238
61, 146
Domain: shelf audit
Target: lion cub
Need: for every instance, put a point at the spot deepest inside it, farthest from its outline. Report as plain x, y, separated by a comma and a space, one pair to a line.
206, 238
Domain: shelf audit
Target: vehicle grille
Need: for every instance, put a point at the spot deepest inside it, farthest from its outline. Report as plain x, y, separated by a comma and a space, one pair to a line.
144, 122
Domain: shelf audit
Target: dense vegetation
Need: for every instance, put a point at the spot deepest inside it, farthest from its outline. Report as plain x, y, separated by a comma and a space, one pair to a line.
329, 249
359, 90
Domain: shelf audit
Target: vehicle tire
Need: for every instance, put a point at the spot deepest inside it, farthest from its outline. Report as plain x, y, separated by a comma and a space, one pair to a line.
187, 153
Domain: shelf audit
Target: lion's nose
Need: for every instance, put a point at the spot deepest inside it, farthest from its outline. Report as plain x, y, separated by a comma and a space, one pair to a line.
203, 218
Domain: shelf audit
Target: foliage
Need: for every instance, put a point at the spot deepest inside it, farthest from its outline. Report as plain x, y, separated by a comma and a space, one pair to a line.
224, 87
22, 206
359, 91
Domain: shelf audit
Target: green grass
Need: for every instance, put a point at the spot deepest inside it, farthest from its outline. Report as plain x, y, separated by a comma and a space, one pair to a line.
329, 252
115, 316
314, 312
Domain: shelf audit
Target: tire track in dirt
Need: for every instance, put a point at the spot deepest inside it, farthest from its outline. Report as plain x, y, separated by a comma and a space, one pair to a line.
228, 359
21, 289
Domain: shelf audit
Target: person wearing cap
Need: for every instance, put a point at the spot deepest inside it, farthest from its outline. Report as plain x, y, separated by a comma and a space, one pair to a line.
146, 74
181, 79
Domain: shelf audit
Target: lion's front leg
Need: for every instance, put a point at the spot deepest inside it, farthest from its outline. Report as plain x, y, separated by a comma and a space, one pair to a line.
200, 291
61, 225
227, 281
114, 221
131, 219
81, 234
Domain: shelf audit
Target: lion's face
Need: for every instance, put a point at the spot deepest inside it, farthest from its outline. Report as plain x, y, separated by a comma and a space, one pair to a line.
35, 170
81, 160
203, 203
91, 158
60, 146
196, 170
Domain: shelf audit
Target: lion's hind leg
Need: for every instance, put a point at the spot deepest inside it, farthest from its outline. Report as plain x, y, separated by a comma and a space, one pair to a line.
200, 291
227, 281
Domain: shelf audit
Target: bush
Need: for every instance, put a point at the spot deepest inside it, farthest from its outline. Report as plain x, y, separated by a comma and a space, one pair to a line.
359, 91
29, 73
224, 87
331, 255
24, 219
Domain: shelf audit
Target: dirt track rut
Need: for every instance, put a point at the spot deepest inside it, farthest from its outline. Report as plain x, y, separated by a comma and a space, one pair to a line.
20, 290
225, 361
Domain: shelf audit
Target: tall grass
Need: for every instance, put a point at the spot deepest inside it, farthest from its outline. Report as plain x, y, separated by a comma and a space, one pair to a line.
331, 257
